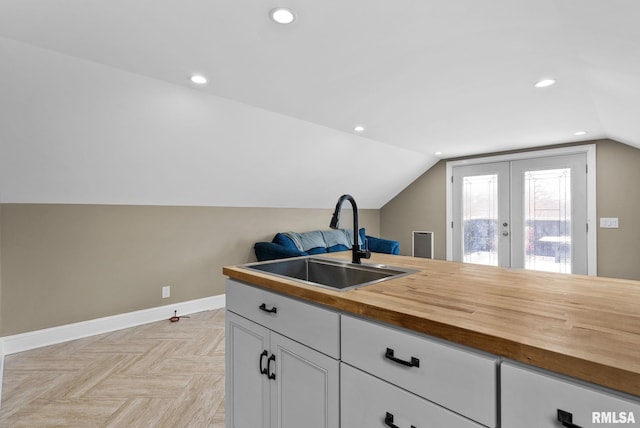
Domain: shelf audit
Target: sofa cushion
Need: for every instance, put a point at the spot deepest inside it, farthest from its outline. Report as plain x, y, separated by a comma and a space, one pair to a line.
284, 240
337, 247
317, 250
307, 240
378, 245
272, 251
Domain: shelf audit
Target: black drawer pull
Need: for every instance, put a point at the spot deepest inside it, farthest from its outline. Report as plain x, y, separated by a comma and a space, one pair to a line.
388, 421
263, 370
263, 307
269, 374
415, 362
566, 419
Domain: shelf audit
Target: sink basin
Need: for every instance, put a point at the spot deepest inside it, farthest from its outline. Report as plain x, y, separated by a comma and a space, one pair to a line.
329, 273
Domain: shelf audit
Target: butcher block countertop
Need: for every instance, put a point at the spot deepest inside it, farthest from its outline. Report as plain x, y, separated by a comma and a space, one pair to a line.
579, 326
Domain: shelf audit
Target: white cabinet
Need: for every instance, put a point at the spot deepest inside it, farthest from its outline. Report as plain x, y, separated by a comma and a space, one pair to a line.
284, 370
312, 325
370, 402
305, 392
456, 378
247, 390
272, 380
532, 398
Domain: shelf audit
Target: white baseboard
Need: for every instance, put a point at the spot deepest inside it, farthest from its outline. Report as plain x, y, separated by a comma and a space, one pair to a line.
51, 336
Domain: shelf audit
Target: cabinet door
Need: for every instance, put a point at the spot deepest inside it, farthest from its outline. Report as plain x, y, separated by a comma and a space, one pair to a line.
247, 389
531, 399
306, 391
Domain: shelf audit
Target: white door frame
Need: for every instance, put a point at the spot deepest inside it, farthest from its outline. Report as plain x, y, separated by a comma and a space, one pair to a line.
589, 149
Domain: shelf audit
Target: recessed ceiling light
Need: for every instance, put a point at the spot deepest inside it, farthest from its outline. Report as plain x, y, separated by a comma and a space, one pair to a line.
437, 153
358, 128
580, 133
282, 15
199, 79
545, 83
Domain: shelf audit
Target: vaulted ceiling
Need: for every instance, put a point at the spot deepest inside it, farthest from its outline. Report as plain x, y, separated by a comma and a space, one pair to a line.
97, 107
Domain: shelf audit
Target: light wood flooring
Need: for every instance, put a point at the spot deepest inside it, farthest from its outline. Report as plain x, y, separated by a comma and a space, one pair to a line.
161, 374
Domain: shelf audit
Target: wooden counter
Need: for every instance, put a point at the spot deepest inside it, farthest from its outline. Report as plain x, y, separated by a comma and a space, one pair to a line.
580, 326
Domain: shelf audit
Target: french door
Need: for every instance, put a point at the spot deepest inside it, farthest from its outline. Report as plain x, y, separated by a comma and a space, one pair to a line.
481, 214
526, 213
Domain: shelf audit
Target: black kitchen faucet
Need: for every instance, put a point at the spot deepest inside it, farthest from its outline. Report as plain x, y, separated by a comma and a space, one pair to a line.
335, 220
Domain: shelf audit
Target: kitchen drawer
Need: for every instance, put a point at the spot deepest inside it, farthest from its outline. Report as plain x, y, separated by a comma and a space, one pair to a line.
368, 401
531, 399
312, 325
451, 376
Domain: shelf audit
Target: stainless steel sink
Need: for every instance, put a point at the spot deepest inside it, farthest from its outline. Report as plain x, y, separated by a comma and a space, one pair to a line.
330, 273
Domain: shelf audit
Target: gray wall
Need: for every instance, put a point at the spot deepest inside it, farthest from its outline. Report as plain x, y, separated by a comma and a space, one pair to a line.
69, 263
61, 264
618, 195
421, 206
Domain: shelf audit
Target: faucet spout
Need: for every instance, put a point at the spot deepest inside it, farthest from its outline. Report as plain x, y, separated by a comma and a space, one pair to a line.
357, 253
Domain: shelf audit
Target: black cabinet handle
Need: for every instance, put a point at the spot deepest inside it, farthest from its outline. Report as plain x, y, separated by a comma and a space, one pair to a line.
263, 307
269, 374
263, 370
388, 421
566, 419
415, 362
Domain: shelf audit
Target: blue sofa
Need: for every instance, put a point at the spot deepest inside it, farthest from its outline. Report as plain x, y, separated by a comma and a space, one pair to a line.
291, 244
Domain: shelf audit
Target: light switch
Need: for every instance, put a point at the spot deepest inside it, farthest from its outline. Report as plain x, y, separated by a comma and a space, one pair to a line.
608, 222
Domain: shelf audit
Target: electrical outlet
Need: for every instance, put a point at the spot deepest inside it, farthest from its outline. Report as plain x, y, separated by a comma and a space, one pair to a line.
166, 291
608, 222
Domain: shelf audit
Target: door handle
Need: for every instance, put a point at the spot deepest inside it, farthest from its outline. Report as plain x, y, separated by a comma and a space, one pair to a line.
263, 307
415, 362
263, 370
566, 419
271, 375
388, 421
505, 233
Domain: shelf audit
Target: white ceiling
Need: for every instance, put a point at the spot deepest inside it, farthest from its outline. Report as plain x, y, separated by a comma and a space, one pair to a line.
421, 76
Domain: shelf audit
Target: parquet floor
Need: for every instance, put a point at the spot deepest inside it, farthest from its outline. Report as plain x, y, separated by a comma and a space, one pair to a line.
161, 374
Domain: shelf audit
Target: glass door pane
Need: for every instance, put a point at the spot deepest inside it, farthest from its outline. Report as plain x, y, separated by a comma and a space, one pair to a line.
547, 211
549, 214
481, 214
480, 219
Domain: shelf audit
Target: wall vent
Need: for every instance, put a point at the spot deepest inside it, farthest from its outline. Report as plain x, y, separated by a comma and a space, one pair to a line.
422, 244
